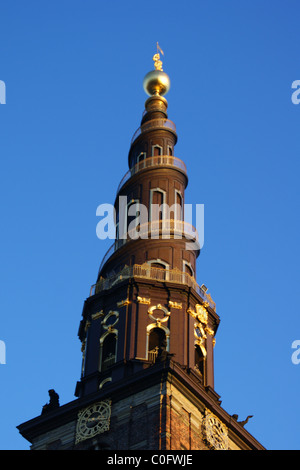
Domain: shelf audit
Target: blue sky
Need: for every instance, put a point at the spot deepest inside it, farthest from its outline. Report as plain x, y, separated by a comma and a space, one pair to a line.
73, 72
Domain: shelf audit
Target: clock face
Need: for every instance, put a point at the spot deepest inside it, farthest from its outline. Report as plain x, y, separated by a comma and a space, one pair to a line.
216, 432
93, 420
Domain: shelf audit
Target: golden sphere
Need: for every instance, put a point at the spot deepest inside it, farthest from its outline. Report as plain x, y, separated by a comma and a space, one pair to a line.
156, 82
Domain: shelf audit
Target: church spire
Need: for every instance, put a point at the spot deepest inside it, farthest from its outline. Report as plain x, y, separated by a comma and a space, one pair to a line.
148, 329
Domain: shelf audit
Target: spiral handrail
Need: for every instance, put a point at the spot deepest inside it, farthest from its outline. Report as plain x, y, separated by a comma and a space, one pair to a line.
163, 229
154, 124
148, 272
160, 160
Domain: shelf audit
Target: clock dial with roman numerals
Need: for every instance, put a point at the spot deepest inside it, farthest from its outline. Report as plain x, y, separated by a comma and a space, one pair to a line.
93, 420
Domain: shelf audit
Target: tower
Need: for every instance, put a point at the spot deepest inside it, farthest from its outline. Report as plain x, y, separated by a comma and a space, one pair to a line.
148, 329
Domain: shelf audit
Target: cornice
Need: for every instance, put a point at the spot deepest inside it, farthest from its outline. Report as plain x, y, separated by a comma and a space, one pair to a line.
170, 372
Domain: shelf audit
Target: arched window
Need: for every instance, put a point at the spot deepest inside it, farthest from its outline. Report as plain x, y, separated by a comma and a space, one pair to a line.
132, 213
179, 205
140, 160
199, 360
83, 350
157, 344
161, 271
156, 150
155, 264
187, 268
157, 204
108, 351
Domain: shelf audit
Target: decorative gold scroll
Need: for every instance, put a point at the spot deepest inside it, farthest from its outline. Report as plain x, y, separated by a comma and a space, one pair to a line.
175, 304
143, 300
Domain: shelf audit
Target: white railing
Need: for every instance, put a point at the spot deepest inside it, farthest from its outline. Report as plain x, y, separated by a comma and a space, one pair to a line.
146, 271
114, 247
154, 124
165, 229
161, 160
156, 229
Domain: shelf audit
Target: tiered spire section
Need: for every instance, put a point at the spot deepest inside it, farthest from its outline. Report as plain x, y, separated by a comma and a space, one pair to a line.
146, 285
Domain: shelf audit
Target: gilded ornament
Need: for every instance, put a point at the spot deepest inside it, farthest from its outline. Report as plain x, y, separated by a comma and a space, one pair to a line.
156, 58
163, 309
109, 326
97, 315
201, 313
122, 303
199, 331
143, 300
175, 304
209, 331
192, 313
157, 82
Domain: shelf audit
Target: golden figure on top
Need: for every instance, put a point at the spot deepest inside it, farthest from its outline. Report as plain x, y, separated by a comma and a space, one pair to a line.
157, 82
156, 58
157, 62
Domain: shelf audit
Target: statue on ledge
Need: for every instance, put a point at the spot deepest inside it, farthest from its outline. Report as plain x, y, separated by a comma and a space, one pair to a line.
53, 403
